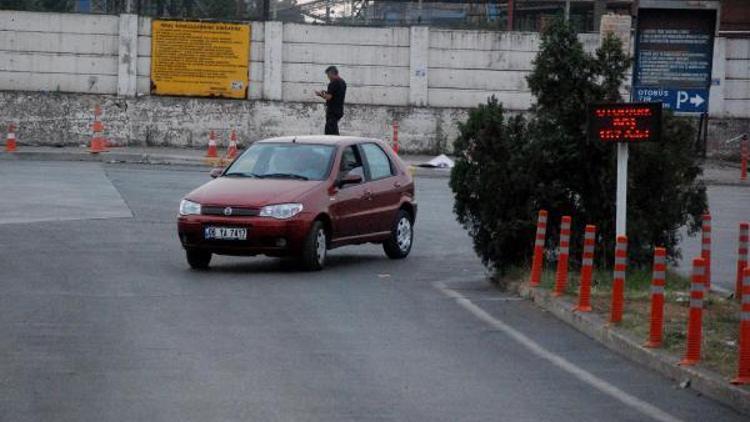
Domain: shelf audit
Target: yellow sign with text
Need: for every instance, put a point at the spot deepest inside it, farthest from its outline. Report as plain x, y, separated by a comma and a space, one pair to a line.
201, 59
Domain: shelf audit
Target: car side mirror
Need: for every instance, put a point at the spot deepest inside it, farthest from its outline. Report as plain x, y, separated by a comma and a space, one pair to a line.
216, 172
350, 179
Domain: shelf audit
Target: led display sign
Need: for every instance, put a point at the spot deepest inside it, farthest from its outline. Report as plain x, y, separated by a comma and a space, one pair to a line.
624, 122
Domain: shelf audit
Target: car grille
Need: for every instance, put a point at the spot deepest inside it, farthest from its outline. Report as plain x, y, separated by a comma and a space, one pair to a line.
236, 211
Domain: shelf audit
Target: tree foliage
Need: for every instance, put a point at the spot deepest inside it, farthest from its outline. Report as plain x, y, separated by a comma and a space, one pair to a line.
37, 5
508, 168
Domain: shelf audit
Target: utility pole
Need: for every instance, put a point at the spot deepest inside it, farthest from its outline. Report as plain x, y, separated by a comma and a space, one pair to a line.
128, 6
266, 9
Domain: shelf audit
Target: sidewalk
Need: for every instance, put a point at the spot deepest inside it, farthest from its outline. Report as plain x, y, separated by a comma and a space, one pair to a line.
162, 155
719, 173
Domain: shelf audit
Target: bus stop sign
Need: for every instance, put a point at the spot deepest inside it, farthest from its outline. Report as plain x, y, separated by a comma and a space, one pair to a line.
673, 57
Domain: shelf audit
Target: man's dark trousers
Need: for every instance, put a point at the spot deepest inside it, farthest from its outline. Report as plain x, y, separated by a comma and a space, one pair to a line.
332, 123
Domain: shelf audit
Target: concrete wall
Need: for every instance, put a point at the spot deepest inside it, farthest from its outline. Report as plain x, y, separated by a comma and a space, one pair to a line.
466, 67
424, 77
59, 52
374, 62
737, 78
417, 66
65, 119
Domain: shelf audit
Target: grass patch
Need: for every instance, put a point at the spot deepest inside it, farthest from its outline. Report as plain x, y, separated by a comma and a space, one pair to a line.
720, 315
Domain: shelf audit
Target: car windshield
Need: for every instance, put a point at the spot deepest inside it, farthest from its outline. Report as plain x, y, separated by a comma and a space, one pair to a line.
284, 161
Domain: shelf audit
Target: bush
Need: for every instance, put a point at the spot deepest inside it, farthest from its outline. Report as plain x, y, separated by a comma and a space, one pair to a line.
491, 190
507, 168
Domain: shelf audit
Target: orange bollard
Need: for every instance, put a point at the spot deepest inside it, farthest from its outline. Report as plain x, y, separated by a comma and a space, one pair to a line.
743, 358
618, 282
10, 140
561, 278
706, 246
538, 260
698, 289
212, 152
658, 280
587, 269
395, 137
744, 157
742, 258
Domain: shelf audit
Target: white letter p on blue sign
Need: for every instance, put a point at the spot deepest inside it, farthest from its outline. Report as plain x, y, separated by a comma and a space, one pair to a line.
682, 97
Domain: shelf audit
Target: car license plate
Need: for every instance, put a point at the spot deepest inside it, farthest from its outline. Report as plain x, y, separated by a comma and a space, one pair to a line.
225, 233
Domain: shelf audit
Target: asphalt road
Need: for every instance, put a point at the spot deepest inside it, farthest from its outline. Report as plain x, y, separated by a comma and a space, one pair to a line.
101, 320
730, 204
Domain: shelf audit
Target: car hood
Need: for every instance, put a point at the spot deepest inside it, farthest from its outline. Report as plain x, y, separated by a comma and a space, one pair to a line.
247, 192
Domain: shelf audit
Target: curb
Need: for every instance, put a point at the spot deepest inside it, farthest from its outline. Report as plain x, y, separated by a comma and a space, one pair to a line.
105, 157
701, 380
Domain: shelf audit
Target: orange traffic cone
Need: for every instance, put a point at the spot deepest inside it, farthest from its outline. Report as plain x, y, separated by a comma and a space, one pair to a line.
232, 150
212, 155
10, 141
98, 142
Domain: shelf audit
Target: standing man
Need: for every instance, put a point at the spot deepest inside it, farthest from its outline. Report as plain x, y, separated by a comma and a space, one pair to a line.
334, 97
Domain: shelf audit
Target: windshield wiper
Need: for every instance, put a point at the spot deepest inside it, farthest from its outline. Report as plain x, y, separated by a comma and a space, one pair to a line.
282, 175
238, 174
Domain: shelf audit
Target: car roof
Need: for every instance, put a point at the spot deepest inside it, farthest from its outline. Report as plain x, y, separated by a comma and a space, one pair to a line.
320, 139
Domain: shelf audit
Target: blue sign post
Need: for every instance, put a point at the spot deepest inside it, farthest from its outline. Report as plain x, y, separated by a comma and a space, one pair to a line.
674, 48
674, 54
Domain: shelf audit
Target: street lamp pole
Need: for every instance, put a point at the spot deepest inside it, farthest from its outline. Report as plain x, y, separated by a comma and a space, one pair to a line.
622, 189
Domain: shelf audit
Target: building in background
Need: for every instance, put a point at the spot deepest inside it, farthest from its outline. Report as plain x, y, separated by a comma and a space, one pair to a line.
516, 15
735, 18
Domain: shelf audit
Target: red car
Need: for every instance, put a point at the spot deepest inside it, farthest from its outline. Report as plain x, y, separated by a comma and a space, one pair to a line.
301, 196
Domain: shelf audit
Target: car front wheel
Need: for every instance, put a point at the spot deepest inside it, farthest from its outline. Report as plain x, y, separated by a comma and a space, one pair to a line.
402, 237
315, 248
198, 260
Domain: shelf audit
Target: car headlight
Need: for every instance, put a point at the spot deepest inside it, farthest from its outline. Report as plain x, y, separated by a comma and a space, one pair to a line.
189, 207
281, 211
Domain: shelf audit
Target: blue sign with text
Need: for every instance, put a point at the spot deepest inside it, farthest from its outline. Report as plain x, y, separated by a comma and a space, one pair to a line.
675, 99
674, 54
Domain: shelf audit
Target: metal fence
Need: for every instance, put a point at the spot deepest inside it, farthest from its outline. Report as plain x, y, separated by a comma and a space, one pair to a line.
518, 15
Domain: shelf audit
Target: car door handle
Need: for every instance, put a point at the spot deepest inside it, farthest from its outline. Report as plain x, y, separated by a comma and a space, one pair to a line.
396, 184
367, 195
